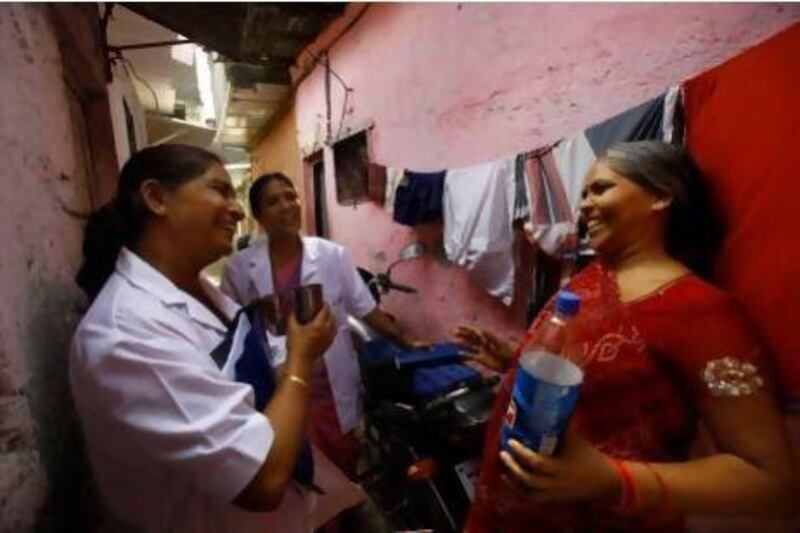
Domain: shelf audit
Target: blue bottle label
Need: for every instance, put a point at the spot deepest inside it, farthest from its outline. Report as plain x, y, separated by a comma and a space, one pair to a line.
542, 402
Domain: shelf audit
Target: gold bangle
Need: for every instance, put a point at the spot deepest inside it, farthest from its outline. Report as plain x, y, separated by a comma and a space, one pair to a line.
297, 379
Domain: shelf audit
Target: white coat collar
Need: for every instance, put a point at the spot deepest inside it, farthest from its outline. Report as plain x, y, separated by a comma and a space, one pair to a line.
261, 266
141, 274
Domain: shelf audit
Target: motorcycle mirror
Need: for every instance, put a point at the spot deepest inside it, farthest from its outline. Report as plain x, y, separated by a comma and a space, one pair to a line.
415, 250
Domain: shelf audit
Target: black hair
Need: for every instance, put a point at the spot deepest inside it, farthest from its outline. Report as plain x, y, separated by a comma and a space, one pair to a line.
694, 229
258, 187
122, 221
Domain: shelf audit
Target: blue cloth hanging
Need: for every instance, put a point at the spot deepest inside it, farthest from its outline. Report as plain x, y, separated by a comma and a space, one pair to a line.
418, 198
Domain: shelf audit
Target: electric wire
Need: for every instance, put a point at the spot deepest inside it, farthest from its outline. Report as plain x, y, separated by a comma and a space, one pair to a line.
131, 70
345, 86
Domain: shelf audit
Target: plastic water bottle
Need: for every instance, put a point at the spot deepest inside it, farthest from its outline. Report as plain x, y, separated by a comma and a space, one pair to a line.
547, 384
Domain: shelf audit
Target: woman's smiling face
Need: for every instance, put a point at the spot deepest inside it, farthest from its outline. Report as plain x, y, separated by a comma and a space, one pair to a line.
279, 209
617, 212
203, 213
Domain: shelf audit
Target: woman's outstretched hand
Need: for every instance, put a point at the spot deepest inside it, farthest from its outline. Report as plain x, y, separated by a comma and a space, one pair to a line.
485, 347
579, 473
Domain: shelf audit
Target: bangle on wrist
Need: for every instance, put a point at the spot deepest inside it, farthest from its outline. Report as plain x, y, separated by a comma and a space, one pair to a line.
663, 506
630, 500
291, 378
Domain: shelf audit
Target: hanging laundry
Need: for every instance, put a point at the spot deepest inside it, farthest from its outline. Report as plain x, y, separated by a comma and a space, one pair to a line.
393, 178
549, 225
478, 216
573, 158
640, 123
522, 206
673, 122
418, 198
551, 219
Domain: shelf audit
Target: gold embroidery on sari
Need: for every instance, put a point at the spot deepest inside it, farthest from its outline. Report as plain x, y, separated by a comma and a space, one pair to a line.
730, 376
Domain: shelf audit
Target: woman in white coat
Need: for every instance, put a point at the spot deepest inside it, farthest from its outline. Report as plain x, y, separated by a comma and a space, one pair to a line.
278, 264
175, 442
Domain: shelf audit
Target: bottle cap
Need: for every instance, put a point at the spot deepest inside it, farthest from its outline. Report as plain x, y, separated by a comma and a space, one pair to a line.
567, 303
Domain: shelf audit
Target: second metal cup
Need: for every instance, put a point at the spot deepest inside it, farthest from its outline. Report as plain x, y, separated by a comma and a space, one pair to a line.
308, 302
273, 315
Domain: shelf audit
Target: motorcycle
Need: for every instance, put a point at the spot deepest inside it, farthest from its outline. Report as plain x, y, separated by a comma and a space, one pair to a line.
425, 416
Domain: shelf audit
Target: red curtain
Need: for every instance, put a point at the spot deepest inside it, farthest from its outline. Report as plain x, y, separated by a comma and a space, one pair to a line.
743, 127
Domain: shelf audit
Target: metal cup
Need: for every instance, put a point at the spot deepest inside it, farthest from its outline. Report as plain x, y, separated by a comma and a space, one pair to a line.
274, 318
307, 302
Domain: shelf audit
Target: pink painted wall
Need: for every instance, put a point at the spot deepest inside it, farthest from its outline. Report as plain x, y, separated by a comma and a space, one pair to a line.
449, 85
50, 182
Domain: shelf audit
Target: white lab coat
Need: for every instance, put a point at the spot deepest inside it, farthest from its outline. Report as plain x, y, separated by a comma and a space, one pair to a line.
248, 276
171, 438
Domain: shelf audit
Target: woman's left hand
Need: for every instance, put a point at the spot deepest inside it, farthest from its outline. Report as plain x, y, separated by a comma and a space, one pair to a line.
580, 472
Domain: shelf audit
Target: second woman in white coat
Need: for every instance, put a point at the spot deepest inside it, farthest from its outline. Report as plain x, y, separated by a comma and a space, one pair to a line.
278, 264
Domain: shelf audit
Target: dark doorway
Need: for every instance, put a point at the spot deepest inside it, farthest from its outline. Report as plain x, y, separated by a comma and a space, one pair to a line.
316, 211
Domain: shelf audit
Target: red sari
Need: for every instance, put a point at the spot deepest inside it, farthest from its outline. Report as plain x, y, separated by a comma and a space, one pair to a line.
644, 363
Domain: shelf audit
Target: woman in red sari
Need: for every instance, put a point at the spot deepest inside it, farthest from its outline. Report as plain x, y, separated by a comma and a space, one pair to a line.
662, 351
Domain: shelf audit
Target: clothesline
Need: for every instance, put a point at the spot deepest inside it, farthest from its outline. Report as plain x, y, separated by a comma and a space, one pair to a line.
479, 204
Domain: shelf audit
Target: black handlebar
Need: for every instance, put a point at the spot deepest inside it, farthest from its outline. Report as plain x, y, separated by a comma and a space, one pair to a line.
452, 396
381, 283
402, 288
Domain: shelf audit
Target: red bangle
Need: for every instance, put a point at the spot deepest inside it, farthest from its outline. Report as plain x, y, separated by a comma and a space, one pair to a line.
629, 501
664, 504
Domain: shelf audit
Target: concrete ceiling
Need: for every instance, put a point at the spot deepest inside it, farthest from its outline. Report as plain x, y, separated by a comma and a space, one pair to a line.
269, 36
168, 77
249, 109
256, 42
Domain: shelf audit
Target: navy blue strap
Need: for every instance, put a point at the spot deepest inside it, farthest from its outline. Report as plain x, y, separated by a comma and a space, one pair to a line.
253, 367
